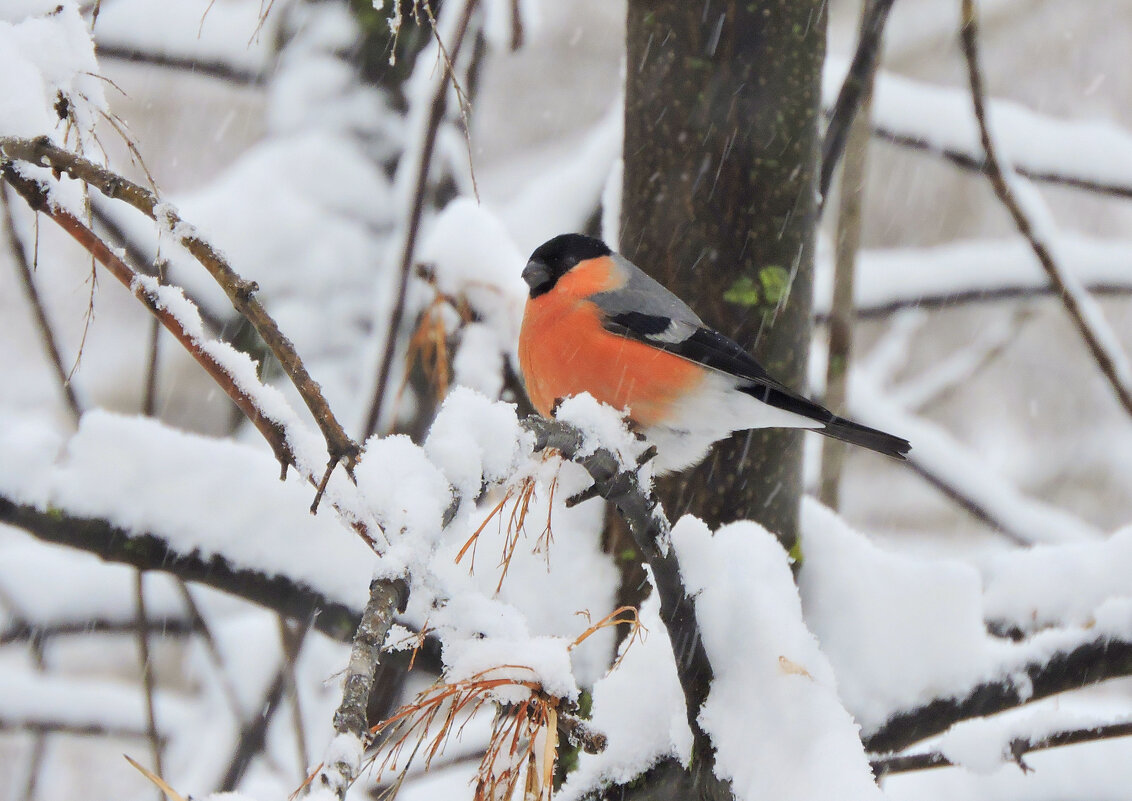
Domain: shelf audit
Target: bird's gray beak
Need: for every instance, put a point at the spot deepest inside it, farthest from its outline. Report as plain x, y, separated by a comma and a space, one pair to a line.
535, 274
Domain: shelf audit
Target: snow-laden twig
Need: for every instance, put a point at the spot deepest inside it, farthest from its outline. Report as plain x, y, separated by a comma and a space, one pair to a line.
854, 90
1082, 309
1093, 660
641, 510
150, 552
241, 293
418, 160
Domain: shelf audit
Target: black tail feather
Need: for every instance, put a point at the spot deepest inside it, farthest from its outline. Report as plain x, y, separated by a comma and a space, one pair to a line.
836, 427
857, 434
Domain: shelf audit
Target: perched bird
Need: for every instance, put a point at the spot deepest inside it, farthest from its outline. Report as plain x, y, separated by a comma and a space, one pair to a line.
594, 322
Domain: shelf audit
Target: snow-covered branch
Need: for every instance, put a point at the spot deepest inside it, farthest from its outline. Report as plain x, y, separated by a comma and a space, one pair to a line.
150, 552
1093, 660
1017, 749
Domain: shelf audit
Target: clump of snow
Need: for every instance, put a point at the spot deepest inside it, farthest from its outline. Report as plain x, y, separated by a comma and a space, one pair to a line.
773, 712
403, 489
227, 500
46, 52
869, 609
478, 362
545, 661
474, 441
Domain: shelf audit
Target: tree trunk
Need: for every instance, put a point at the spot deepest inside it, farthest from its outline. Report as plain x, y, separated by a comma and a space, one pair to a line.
720, 205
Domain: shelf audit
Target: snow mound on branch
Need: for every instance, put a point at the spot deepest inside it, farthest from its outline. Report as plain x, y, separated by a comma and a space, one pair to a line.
475, 440
226, 500
773, 713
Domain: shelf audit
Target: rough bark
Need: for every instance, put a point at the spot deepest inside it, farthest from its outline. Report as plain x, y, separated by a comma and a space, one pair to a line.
720, 204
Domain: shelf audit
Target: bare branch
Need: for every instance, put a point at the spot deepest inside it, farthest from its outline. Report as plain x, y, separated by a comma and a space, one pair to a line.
1105, 349
412, 225
240, 293
42, 323
903, 763
1071, 669
150, 552
854, 91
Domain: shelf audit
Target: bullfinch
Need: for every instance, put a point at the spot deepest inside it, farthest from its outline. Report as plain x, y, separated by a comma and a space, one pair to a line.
594, 322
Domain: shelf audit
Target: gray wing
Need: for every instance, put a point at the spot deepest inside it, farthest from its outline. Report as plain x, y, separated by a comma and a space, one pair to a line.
644, 309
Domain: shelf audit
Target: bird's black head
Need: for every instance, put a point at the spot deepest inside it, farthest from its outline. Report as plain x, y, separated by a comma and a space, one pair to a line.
552, 260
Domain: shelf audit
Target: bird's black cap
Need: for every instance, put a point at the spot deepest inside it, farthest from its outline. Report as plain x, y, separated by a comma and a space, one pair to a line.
554, 258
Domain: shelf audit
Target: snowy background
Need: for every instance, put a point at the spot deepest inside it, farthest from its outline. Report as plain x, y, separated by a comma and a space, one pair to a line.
302, 174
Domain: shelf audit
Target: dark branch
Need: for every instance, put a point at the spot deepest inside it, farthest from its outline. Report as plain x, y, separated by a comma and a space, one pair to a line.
857, 85
220, 70
24, 632
1082, 666
149, 552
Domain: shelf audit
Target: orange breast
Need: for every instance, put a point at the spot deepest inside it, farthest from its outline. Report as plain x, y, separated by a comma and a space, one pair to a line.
564, 351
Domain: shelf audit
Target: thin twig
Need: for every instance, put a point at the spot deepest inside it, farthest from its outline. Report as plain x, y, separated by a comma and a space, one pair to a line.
1104, 348
967, 161
241, 293
412, 224
1018, 748
200, 625
292, 642
857, 85
39, 744
146, 665
253, 734
26, 632
50, 345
